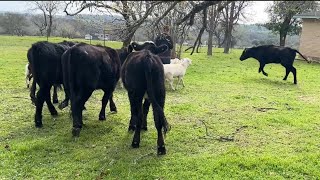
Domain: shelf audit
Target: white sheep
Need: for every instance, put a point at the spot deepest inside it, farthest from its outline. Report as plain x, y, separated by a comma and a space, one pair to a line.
175, 61
176, 70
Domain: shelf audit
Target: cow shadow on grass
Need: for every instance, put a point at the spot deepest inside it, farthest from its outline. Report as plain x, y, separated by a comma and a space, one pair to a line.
272, 81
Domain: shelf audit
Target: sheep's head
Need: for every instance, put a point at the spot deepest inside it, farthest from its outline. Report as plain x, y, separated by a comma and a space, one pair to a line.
186, 61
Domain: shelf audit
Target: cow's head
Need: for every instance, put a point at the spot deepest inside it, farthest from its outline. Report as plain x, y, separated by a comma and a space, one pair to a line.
68, 43
245, 54
124, 53
149, 45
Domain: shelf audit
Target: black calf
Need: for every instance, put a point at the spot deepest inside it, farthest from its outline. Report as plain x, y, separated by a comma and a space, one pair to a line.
143, 77
273, 54
86, 68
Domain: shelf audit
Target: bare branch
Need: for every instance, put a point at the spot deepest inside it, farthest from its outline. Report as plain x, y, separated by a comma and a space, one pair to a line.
166, 13
197, 8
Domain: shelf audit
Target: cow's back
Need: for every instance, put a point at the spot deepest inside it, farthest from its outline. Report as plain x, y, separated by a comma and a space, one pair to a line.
136, 65
94, 67
274, 54
46, 60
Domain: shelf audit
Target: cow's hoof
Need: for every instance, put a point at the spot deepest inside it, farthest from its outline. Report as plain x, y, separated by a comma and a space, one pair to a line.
131, 128
62, 105
54, 112
38, 124
55, 101
162, 150
113, 110
76, 132
135, 144
144, 128
295, 82
102, 118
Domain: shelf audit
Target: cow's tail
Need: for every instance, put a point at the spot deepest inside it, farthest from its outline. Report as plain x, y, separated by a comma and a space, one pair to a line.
33, 58
150, 91
303, 56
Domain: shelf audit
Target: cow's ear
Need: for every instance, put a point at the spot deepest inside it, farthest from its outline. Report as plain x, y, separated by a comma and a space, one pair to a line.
136, 46
245, 49
129, 48
161, 49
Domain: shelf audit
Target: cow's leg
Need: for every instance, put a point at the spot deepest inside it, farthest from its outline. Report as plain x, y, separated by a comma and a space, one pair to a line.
107, 95
39, 105
33, 92
113, 107
288, 69
55, 95
145, 111
51, 108
294, 72
160, 121
261, 69
136, 112
77, 105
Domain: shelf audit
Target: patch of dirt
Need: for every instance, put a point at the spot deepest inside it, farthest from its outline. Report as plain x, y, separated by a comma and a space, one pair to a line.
309, 99
264, 109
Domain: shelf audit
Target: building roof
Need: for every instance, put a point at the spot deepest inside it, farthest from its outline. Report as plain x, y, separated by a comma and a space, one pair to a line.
310, 15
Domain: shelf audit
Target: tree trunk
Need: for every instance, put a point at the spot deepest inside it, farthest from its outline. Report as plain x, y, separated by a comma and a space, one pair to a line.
128, 38
174, 34
229, 27
282, 39
49, 26
204, 26
211, 19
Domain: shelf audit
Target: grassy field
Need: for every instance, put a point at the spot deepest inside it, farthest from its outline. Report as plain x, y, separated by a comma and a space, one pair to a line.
229, 122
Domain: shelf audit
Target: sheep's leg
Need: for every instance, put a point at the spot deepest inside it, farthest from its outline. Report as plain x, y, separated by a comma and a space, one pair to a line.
179, 79
182, 82
170, 78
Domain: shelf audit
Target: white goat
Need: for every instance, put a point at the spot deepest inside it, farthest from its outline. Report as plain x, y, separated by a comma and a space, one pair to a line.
28, 74
176, 70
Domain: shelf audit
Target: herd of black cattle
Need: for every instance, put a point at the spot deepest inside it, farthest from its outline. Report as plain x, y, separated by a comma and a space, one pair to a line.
82, 68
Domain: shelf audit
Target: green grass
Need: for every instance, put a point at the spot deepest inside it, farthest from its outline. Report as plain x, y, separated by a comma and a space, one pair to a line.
229, 122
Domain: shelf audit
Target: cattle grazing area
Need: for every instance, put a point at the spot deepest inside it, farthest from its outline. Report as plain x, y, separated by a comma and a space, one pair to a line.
228, 122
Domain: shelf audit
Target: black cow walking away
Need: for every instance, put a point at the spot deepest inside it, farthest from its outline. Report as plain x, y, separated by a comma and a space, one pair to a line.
85, 69
123, 53
273, 54
45, 60
29, 76
143, 77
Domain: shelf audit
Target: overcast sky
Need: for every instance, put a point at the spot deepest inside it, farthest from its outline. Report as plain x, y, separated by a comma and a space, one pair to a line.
255, 13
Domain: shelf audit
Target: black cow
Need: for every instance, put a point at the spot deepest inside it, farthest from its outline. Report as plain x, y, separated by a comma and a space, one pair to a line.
123, 53
29, 76
86, 68
142, 75
45, 60
273, 54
